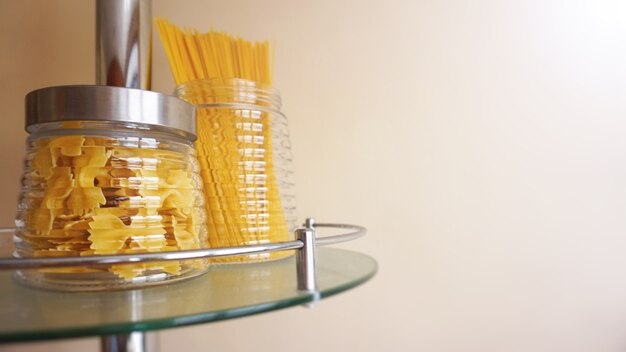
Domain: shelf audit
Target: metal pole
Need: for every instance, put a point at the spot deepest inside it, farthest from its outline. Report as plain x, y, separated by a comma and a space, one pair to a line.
124, 43
133, 342
305, 260
124, 59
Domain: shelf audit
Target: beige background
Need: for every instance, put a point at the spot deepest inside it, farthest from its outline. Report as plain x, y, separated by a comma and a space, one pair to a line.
481, 142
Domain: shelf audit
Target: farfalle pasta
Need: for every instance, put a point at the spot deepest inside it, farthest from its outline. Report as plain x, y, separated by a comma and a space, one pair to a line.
93, 195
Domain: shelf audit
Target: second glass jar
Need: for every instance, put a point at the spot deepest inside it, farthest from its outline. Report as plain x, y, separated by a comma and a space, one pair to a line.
245, 158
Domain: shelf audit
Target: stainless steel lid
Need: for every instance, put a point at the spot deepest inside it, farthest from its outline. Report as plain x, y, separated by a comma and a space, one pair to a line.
104, 103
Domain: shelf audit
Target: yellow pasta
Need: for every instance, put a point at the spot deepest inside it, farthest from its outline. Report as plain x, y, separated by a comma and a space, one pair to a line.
234, 145
100, 198
60, 185
83, 199
68, 145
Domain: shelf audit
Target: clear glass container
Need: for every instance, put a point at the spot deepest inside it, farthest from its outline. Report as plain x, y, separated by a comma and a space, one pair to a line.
109, 187
246, 163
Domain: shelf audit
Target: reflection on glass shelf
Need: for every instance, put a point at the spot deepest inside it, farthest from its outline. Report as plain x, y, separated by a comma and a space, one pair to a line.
227, 291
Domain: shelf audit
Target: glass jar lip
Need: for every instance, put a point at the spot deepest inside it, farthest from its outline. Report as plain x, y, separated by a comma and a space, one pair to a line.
263, 92
108, 129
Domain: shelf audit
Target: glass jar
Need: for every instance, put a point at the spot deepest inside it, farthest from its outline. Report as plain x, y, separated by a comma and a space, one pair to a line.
246, 164
109, 170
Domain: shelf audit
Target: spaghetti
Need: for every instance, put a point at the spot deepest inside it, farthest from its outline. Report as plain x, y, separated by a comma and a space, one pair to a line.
234, 144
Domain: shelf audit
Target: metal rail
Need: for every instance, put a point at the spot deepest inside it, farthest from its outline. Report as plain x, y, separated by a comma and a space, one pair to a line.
55, 262
358, 231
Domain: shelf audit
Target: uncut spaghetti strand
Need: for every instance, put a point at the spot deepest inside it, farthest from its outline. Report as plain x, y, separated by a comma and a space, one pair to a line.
234, 216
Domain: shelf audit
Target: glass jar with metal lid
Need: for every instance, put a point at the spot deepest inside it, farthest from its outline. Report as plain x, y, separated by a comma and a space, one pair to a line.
109, 170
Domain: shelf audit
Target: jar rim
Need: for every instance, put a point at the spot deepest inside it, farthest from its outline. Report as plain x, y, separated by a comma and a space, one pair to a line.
256, 91
108, 129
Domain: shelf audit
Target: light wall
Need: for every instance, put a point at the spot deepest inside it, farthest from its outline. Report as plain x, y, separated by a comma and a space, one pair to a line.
481, 142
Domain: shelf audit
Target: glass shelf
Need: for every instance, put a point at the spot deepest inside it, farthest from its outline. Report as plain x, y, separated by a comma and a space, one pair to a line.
225, 292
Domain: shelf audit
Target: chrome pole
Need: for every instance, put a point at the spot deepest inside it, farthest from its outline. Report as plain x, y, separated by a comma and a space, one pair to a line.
305, 260
124, 43
124, 59
133, 342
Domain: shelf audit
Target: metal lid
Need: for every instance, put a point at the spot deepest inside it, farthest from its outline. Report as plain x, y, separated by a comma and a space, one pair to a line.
104, 103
